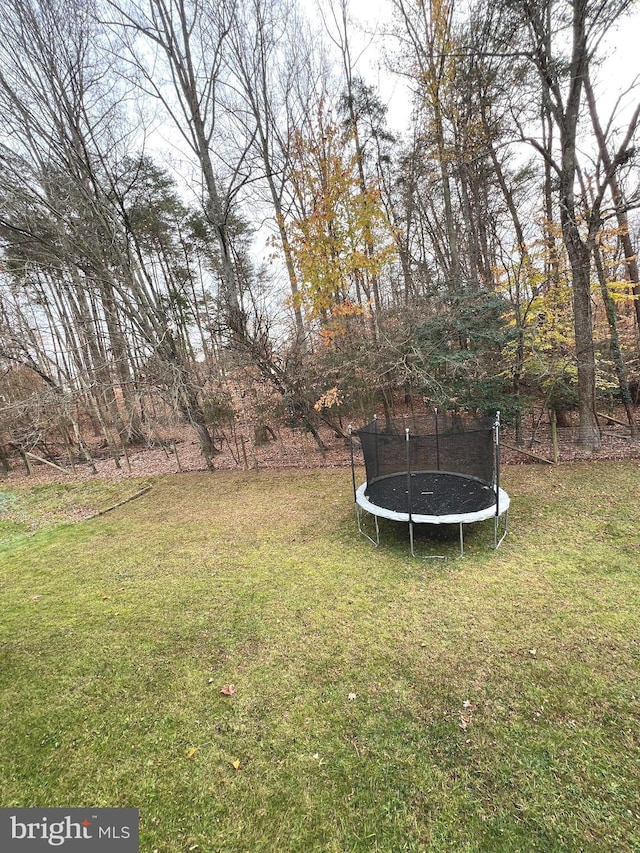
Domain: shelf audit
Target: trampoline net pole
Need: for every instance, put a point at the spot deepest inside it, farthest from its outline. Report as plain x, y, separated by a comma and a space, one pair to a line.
353, 469
375, 444
456, 478
496, 461
408, 444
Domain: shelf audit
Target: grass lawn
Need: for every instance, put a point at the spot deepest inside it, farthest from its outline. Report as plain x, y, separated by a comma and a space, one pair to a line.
379, 703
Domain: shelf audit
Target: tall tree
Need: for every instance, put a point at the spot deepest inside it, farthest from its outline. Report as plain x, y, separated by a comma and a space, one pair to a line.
583, 23
272, 58
426, 31
617, 194
67, 131
342, 237
188, 41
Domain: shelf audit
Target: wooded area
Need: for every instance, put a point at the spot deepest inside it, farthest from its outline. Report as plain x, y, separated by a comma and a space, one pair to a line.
484, 259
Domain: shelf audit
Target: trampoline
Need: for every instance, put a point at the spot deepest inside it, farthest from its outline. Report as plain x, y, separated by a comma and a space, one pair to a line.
440, 470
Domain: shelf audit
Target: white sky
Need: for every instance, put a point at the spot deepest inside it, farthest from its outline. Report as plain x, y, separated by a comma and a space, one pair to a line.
621, 63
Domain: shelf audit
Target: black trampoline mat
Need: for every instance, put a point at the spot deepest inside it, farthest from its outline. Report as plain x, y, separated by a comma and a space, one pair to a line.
432, 493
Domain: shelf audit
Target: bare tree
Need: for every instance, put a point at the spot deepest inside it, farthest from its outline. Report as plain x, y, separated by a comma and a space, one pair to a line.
187, 41
617, 194
425, 30
273, 61
584, 22
67, 132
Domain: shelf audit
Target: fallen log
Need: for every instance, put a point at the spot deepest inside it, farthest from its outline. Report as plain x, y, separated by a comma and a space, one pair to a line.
527, 453
47, 462
614, 420
138, 494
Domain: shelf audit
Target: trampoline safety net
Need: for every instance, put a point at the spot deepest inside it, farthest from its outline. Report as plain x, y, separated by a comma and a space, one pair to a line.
446, 465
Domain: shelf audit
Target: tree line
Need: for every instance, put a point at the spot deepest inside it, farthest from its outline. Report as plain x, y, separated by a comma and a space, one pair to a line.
483, 259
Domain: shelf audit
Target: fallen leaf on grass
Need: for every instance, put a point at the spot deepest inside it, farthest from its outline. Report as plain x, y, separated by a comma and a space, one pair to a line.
235, 764
228, 690
192, 751
464, 717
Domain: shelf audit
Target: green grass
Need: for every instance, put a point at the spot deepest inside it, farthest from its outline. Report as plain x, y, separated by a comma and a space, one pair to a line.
25, 510
381, 703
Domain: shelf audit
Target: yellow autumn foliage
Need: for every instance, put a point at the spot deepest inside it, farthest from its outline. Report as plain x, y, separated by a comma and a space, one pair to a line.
341, 238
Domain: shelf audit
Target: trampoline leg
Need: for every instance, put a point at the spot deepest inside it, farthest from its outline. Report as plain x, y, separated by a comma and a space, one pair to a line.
422, 556
461, 541
375, 541
498, 542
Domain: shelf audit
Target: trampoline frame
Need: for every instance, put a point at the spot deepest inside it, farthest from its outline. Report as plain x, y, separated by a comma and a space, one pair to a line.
496, 510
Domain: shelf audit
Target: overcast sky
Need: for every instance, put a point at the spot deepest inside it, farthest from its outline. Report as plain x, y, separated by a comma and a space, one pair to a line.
372, 19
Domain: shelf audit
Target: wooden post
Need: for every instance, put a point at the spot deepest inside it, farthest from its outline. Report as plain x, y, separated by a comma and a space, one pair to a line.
244, 452
68, 448
27, 464
126, 455
554, 434
174, 447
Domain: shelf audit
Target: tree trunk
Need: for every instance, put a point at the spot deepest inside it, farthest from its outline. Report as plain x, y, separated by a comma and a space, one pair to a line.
588, 431
630, 255
614, 340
